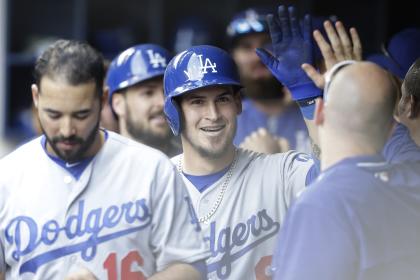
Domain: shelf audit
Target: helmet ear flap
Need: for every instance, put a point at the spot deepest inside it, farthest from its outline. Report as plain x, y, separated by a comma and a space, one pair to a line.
173, 114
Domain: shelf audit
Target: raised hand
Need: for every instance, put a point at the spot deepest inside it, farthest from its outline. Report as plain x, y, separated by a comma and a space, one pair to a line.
342, 48
291, 47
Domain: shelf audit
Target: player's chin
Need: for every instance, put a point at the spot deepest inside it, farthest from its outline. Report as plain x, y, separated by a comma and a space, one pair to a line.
72, 155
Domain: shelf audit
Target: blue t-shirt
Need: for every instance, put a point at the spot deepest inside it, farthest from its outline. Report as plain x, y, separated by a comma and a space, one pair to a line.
401, 147
289, 124
359, 220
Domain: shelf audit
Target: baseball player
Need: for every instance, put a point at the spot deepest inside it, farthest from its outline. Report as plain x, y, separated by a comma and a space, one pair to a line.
134, 81
359, 220
82, 198
404, 144
240, 197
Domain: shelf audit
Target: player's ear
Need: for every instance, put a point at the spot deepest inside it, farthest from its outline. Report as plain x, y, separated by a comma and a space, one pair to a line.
118, 104
104, 97
414, 107
35, 94
238, 101
319, 111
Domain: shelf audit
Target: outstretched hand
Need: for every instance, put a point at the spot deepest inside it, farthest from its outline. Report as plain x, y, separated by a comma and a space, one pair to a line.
342, 48
291, 47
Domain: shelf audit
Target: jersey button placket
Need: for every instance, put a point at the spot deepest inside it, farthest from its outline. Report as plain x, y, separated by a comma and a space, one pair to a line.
68, 179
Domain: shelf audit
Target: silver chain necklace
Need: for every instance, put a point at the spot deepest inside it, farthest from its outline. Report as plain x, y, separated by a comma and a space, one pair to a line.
206, 218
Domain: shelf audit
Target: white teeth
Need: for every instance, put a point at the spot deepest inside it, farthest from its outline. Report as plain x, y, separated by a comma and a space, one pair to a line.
212, 129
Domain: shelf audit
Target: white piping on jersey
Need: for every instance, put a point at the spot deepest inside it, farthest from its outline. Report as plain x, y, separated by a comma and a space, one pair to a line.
371, 164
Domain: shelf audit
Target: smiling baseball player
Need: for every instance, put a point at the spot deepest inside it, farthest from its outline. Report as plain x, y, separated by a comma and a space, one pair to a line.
240, 197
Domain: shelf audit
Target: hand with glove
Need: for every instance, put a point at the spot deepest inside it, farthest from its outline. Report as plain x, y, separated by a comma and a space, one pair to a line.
292, 47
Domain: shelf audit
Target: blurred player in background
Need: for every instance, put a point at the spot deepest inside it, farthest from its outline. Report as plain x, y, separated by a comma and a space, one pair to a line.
135, 86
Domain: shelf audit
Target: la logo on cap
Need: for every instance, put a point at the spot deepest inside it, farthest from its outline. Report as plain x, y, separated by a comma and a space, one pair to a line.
156, 59
196, 68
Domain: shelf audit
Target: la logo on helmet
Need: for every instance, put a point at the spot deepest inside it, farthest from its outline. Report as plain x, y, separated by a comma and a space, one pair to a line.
156, 59
196, 68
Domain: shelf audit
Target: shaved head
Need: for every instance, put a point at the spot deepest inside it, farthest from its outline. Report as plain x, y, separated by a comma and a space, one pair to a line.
361, 99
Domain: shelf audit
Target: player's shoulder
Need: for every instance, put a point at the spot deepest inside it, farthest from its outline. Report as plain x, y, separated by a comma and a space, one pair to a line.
175, 159
348, 179
278, 158
120, 147
22, 154
259, 163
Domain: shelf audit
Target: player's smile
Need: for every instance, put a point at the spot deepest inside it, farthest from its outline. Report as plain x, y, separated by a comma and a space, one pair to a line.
215, 129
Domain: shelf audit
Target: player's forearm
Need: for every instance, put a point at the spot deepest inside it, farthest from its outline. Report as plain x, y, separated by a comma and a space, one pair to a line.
2, 276
178, 271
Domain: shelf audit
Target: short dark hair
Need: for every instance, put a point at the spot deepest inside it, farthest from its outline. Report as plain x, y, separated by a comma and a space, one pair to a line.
77, 62
412, 79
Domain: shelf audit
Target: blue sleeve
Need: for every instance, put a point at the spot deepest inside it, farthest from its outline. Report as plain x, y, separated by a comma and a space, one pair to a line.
313, 171
400, 147
201, 267
313, 245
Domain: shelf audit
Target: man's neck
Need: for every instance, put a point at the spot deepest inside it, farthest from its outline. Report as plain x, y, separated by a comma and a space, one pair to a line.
415, 135
342, 149
414, 130
194, 163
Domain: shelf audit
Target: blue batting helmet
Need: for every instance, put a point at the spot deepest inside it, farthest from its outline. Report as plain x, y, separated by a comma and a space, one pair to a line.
135, 65
195, 68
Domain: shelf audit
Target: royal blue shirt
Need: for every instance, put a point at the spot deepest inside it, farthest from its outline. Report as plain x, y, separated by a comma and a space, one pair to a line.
290, 125
359, 220
401, 147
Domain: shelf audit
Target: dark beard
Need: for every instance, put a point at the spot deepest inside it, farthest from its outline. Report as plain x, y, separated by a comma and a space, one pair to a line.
145, 136
263, 89
78, 155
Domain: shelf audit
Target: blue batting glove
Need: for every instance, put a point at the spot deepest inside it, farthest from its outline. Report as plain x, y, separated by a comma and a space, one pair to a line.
291, 48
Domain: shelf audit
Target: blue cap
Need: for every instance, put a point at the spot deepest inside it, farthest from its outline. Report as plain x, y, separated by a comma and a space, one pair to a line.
403, 49
248, 22
135, 65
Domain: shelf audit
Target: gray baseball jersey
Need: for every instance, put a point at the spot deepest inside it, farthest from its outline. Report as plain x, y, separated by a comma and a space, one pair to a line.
242, 232
127, 215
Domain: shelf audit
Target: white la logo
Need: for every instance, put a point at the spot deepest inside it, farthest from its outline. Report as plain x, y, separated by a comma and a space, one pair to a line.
156, 59
196, 69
